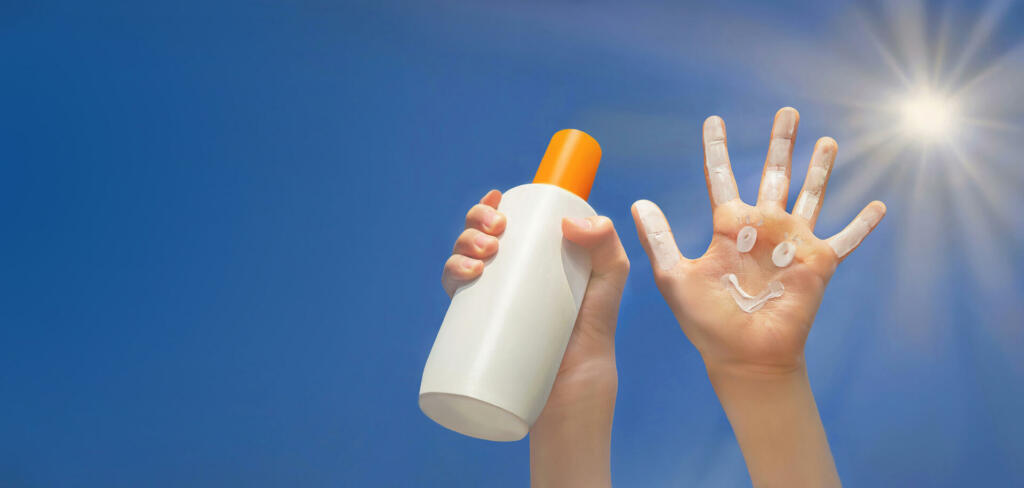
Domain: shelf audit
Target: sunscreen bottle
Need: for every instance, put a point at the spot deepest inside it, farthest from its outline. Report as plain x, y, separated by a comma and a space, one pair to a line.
500, 346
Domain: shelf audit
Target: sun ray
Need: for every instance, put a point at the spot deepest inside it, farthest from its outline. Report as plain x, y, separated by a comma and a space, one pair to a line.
980, 33
862, 173
989, 193
975, 216
887, 56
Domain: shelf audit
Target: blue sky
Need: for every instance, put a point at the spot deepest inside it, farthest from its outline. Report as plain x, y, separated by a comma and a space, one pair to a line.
225, 224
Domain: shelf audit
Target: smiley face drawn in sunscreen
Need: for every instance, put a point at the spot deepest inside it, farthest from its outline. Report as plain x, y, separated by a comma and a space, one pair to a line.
746, 301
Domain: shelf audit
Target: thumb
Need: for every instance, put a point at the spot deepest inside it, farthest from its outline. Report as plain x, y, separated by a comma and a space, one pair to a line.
597, 235
656, 236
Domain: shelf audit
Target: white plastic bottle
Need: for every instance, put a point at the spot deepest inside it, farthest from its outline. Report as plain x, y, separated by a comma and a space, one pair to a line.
495, 358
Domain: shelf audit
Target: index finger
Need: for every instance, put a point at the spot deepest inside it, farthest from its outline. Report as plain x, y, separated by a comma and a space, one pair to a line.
717, 170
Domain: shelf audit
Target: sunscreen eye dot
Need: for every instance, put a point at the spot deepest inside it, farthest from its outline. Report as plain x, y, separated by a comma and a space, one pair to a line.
746, 238
783, 254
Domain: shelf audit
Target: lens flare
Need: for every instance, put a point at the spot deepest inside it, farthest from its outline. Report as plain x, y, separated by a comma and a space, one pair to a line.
928, 116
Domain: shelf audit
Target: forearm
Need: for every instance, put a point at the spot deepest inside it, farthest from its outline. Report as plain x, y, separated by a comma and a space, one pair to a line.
571, 447
777, 425
570, 443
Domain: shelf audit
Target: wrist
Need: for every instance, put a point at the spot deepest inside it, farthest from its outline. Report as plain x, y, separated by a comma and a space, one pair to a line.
737, 384
725, 370
776, 421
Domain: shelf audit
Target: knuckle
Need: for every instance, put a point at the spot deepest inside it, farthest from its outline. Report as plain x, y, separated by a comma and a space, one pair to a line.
472, 213
466, 237
452, 263
622, 264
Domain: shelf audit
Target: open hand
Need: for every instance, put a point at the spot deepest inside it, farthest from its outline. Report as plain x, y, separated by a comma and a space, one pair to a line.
750, 300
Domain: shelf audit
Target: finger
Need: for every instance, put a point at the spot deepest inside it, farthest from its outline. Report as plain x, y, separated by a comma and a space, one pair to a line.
491, 199
655, 235
717, 171
597, 235
808, 203
485, 218
459, 270
610, 267
849, 238
775, 179
476, 244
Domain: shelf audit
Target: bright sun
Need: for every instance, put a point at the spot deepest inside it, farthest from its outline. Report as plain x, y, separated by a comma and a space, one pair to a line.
928, 115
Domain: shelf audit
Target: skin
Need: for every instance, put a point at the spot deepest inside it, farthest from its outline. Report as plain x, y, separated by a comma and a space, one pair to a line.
571, 440
756, 360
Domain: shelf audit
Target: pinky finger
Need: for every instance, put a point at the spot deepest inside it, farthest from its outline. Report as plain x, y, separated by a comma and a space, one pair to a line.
458, 271
849, 238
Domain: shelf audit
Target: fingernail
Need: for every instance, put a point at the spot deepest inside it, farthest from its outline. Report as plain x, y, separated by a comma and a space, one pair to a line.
469, 264
581, 223
787, 122
482, 240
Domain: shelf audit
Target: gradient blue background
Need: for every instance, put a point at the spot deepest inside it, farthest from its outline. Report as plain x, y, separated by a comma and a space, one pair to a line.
224, 225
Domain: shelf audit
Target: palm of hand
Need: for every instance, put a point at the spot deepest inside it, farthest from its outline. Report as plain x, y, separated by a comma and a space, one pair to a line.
770, 336
774, 335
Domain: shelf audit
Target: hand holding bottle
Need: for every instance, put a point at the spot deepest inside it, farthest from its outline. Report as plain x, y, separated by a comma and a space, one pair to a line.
570, 441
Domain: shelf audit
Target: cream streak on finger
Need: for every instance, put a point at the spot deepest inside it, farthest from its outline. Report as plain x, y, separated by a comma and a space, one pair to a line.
851, 237
716, 159
658, 235
775, 182
809, 200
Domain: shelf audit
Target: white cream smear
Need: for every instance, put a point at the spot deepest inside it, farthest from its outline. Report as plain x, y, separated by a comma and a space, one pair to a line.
850, 237
744, 300
780, 149
783, 254
807, 201
774, 181
746, 238
659, 237
716, 158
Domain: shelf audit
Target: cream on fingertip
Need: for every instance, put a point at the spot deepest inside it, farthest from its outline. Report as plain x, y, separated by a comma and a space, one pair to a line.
659, 237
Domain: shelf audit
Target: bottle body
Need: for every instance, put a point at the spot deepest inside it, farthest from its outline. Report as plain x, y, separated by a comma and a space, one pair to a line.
501, 343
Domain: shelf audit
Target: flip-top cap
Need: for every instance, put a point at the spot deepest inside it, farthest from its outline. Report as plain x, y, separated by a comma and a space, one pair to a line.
570, 162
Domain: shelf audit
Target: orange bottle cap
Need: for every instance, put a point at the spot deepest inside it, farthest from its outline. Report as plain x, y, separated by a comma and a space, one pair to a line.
570, 162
